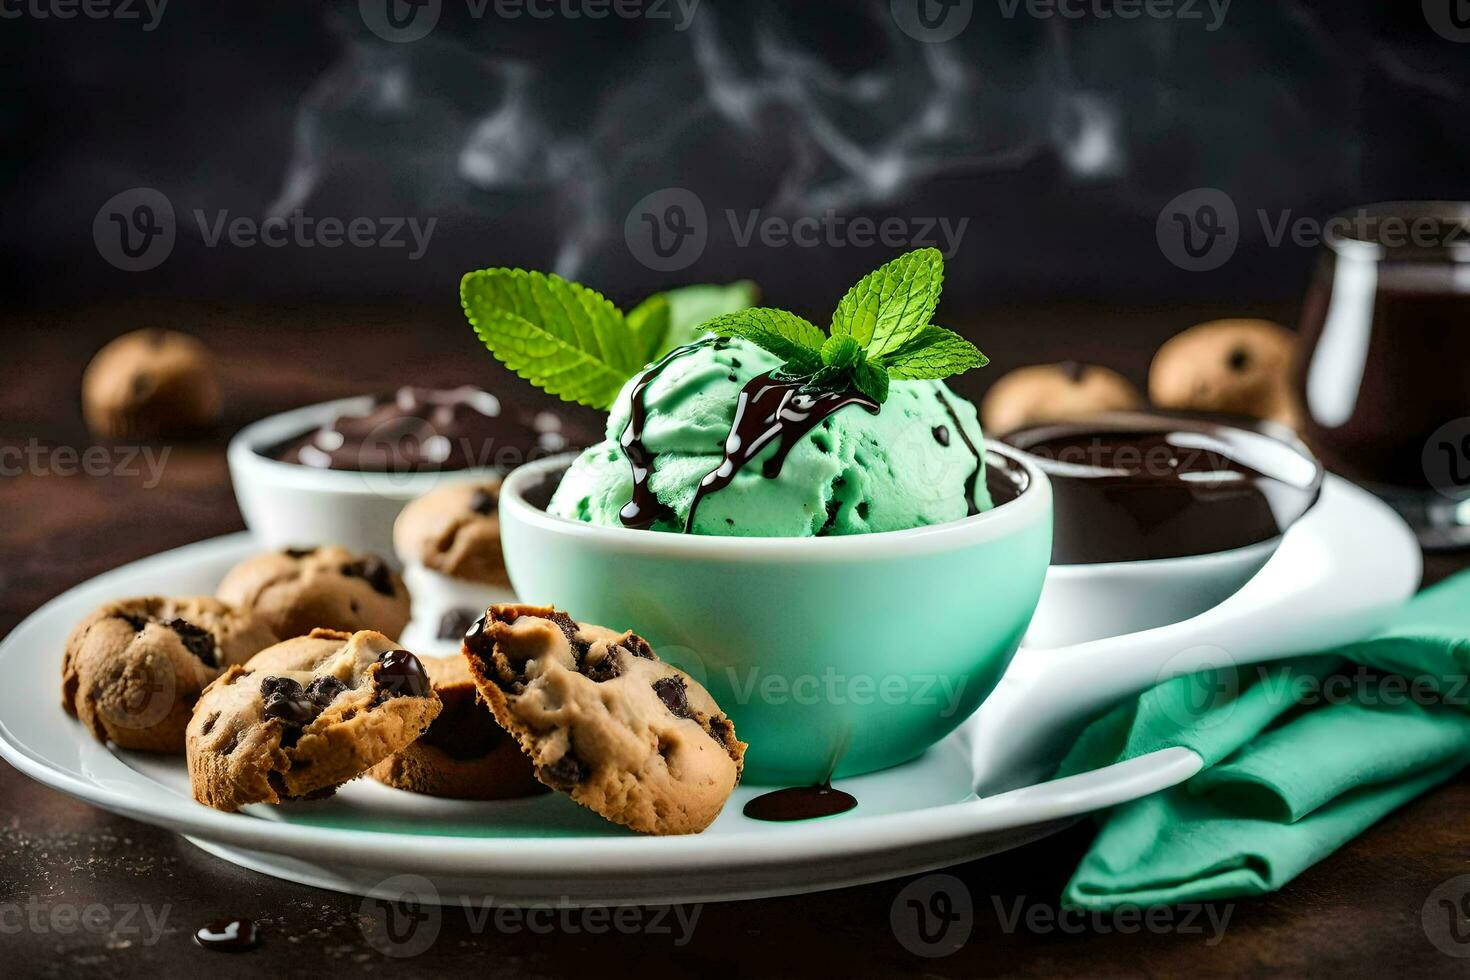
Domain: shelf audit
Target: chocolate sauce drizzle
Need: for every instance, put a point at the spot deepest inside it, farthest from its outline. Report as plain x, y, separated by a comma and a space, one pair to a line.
971, 507
800, 803
645, 508
771, 409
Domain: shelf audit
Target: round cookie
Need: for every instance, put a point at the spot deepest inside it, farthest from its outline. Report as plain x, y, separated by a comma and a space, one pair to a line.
1047, 393
465, 754
299, 590
133, 669
455, 531
1239, 367
604, 720
304, 717
150, 383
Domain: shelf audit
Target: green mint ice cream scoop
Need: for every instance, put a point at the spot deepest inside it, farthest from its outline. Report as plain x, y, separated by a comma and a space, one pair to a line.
918, 461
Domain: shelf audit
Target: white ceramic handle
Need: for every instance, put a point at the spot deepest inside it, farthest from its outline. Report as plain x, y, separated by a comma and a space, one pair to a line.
1339, 573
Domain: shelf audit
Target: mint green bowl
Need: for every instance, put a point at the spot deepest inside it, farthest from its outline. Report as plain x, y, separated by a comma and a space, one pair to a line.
833, 656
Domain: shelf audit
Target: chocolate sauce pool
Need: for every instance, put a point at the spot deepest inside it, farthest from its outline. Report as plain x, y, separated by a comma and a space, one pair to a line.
423, 429
1135, 486
800, 803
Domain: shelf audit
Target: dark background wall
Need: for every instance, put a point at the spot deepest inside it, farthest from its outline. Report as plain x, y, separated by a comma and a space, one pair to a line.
1058, 140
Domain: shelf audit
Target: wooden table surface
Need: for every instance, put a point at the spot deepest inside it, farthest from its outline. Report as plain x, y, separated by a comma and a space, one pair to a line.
1358, 913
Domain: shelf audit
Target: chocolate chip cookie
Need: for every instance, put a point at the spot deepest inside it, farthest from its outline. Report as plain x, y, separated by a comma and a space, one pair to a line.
465, 754
1046, 393
299, 590
133, 669
1241, 367
604, 720
305, 716
455, 531
150, 383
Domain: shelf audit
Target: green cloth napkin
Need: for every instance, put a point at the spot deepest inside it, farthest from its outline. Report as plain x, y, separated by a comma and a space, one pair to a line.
1299, 755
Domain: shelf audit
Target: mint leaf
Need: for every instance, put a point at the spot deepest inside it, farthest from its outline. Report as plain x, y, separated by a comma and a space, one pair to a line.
871, 380
890, 305
691, 306
841, 352
558, 335
934, 353
648, 324
788, 336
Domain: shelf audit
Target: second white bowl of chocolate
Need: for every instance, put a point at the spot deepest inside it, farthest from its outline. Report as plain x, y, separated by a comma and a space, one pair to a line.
340, 472
1159, 517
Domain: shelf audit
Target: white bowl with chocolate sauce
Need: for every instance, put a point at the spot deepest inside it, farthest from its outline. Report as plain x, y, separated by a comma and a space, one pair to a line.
340, 472
1160, 516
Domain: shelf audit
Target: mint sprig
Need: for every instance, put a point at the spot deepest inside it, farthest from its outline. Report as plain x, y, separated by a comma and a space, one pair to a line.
573, 342
880, 332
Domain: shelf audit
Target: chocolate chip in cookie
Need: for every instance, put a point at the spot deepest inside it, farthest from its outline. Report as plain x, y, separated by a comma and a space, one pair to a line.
456, 623
484, 502
675, 696
401, 675
565, 774
375, 572
199, 642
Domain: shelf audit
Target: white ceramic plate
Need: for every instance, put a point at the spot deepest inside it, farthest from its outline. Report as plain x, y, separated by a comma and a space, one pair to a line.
919, 816
912, 818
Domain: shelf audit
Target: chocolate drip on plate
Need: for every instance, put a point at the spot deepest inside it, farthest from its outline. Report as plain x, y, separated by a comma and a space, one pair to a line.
800, 803
771, 409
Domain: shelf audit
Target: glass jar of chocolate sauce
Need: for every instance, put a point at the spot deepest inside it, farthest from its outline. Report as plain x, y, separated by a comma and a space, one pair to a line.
1385, 371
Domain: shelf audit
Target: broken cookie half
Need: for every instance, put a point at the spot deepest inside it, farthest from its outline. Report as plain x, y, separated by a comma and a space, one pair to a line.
305, 716
604, 720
